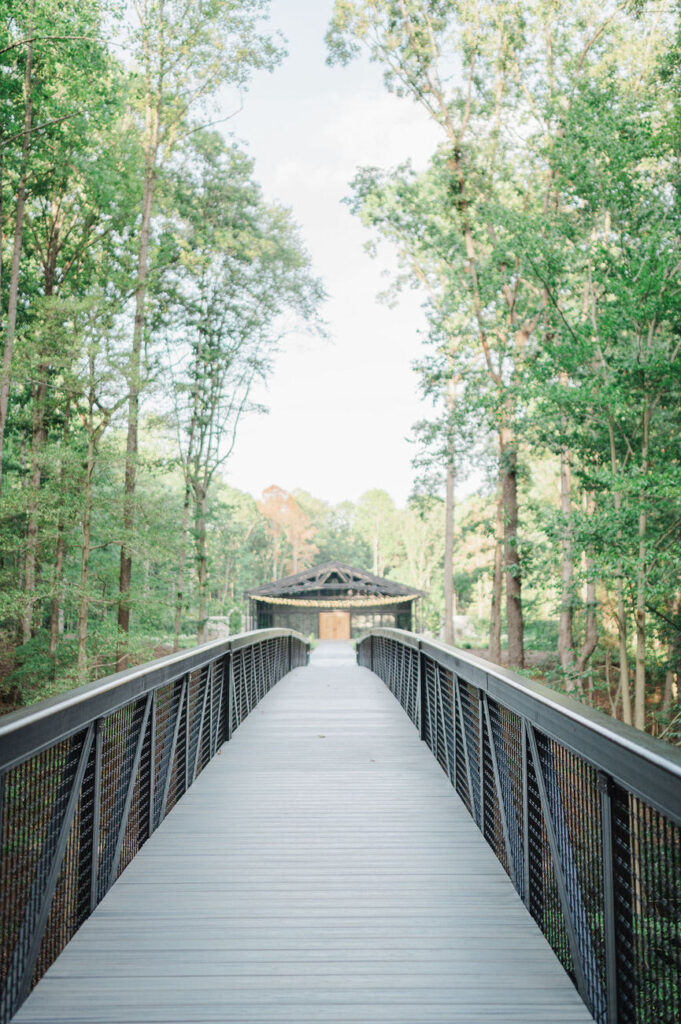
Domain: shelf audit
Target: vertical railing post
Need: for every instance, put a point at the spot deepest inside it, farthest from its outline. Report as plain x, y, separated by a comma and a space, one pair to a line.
226, 693
481, 759
230, 693
96, 814
187, 745
420, 694
526, 818
3, 777
456, 752
151, 767
371, 652
604, 788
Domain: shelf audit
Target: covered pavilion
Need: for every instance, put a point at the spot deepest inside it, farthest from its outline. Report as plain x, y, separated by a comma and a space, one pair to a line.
333, 601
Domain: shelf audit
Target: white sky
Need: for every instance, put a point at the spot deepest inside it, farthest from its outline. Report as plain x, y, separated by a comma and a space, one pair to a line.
340, 410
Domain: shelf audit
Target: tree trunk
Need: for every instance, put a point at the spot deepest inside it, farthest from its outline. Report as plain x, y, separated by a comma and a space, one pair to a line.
135, 383
641, 574
591, 622
623, 655
57, 583
275, 556
566, 651
621, 614
38, 436
55, 604
179, 594
509, 489
668, 696
13, 297
674, 658
450, 629
202, 561
84, 602
497, 583
640, 675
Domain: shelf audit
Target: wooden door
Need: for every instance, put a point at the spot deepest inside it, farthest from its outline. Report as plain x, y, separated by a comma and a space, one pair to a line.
334, 625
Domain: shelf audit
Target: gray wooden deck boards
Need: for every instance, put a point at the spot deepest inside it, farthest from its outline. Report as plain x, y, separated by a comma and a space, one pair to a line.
321, 869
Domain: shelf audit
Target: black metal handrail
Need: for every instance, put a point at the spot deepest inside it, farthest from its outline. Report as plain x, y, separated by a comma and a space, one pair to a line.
583, 812
87, 776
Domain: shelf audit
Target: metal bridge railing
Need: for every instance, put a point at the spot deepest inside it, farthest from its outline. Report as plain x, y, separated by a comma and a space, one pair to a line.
583, 813
87, 776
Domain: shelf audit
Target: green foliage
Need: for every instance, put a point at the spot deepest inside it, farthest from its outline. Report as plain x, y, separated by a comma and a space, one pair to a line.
544, 234
99, 145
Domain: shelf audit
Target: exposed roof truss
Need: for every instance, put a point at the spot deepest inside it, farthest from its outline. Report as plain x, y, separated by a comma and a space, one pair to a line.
334, 579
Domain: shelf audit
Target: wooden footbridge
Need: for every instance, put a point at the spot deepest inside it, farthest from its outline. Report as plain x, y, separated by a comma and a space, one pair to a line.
323, 865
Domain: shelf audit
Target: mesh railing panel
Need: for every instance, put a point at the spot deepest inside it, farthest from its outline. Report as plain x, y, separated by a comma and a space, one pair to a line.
573, 808
469, 707
74, 813
39, 820
398, 667
447, 717
597, 865
648, 911
544, 897
506, 742
429, 704
178, 764
492, 808
462, 772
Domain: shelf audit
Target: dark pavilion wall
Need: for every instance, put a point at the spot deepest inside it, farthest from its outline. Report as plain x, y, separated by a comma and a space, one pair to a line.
306, 620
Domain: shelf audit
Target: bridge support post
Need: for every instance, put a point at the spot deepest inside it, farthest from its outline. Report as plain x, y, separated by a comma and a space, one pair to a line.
526, 818
481, 760
96, 812
422, 694
230, 694
371, 652
609, 924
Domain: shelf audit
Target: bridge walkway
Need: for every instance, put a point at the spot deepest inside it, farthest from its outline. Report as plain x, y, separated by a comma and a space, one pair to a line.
321, 869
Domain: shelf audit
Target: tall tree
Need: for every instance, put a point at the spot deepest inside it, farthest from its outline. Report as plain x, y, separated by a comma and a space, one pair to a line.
615, 338
76, 222
242, 269
52, 48
290, 528
416, 43
186, 52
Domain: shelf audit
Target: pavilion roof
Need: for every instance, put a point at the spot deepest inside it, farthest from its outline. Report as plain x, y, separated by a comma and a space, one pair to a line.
334, 579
